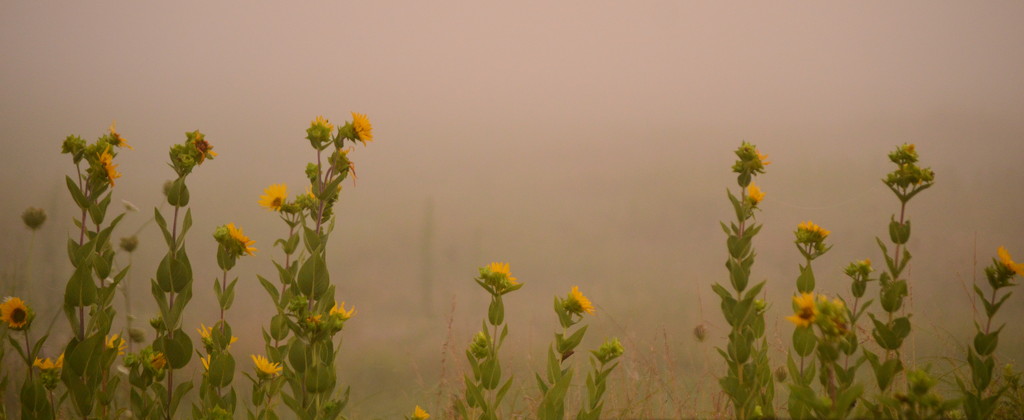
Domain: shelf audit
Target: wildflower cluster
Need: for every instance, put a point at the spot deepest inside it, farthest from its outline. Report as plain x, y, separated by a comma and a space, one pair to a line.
300, 340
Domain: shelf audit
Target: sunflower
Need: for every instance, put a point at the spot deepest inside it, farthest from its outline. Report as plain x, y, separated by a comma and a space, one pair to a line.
48, 364
322, 122
762, 158
203, 147
577, 303
264, 367
502, 269
364, 131
810, 232
274, 197
340, 310
15, 313
118, 140
1007, 260
116, 342
806, 310
158, 361
243, 240
420, 414
754, 194
206, 362
107, 160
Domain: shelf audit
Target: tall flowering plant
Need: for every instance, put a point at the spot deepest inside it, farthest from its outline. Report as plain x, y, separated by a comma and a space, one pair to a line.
482, 389
889, 332
217, 398
301, 339
172, 290
90, 291
748, 380
980, 401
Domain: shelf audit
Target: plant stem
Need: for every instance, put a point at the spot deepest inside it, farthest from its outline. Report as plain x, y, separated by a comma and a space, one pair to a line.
28, 356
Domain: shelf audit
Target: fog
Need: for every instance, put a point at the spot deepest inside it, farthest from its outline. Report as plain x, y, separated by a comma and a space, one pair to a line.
584, 143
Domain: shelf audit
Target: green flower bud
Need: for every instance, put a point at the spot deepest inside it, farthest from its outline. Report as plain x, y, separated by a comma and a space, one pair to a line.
136, 335
33, 217
479, 346
609, 351
75, 146
130, 243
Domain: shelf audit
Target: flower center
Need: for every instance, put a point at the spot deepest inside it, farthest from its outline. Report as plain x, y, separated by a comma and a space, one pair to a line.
807, 313
277, 202
18, 315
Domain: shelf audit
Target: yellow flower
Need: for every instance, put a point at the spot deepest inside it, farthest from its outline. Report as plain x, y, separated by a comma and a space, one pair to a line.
158, 360
1007, 260
274, 196
502, 268
116, 342
47, 364
14, 312
237, 234
577, 303
806, 310
120, 142
206, 362
203, 147
755, 194
264, 367
204, 331
107, 160
321, 121
762, 158
340, 310
420, 414
363, 128
810, 227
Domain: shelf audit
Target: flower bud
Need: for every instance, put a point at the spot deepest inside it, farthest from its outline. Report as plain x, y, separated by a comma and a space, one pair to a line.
33, 217
130, 243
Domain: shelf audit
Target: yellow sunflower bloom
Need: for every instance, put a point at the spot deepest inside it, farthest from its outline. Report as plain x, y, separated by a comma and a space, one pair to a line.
116, 342
812, 228
502, 268
274, 196
204, 331
323, 122
15, 313
48, 364
340, 310
107, 160
158, 360
120, 141
362, 126
1007, 260
762, 158
806, 310
264, 367
420, 414
754, 194
577, 303
237, 234
206, 362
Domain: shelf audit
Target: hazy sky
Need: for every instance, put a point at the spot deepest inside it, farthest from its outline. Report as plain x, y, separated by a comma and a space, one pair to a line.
584, 142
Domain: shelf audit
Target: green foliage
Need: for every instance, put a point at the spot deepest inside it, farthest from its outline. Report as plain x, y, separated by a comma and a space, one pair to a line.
748, 381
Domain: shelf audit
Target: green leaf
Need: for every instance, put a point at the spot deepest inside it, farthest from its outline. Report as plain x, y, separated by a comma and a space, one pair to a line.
177, 349
80, 290
805, 283
313, 277
985, 344
222, 369
76, 193
804, 341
